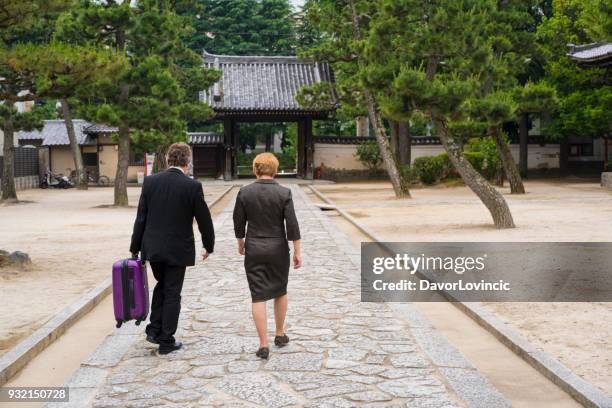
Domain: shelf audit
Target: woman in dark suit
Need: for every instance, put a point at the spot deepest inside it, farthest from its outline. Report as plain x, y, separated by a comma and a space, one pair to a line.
266, 208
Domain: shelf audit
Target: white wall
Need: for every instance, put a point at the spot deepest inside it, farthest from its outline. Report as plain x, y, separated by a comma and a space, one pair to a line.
15, 141
338, 156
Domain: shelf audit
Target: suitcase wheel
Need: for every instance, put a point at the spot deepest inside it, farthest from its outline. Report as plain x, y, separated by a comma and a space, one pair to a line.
119, 323
138, 322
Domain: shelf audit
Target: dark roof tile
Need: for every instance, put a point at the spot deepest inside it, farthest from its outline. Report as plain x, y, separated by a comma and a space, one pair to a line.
258, 83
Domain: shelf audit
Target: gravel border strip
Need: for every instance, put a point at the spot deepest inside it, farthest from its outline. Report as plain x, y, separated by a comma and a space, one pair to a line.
581, 390
20, 355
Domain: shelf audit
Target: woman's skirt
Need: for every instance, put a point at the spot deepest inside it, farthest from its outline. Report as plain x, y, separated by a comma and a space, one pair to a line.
266, 263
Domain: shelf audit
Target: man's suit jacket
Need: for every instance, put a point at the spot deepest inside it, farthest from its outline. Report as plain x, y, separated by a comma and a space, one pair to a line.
163, 230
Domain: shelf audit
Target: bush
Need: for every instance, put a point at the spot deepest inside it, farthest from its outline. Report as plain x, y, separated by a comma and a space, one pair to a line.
477, 160
410, 175
369, 155
286, 159
447, 166
429, 168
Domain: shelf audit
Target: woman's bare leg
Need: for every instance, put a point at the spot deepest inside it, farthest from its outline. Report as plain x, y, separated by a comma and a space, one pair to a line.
280, 311
261, 322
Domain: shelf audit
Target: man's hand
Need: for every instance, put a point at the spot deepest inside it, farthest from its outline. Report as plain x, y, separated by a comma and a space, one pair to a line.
241, 246
135, 255
297, 261
205, 255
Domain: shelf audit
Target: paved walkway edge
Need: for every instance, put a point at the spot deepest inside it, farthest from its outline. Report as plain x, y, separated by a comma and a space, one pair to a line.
581, 390
20, 355
86, 379
457, 370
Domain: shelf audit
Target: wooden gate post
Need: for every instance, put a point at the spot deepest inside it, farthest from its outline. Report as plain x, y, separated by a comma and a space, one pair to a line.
228, 146
308, 150
301, 159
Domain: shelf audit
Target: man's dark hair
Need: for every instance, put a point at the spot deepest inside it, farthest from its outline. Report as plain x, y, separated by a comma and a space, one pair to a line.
179, 154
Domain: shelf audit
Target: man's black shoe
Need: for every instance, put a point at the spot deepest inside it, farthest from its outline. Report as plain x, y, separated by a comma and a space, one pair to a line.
152, 339
169, 348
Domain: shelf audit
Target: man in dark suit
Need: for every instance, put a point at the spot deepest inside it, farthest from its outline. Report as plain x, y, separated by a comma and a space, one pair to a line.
163, 233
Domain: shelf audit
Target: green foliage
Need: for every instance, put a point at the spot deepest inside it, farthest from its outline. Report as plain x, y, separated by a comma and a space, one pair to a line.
156, 94
582, 94
316, 97
290, 141
483, 155
447, 166
285, 160
429, 169
586, 113
243, 27
369, 155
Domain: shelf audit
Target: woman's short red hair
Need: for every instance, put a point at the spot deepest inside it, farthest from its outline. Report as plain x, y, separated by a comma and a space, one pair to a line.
265, 164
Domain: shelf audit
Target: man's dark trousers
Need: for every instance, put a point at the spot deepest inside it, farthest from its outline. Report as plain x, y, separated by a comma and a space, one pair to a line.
166, 302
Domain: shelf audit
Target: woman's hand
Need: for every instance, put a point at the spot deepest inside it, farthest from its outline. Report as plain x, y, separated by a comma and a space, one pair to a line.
297, 254
241, 246
297, 260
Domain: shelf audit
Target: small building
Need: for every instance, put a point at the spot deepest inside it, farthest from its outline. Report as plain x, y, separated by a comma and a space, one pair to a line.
264, 89
98, 147
208, 153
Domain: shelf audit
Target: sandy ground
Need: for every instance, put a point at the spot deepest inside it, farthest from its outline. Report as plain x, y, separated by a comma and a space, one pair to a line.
72, 243
578, 334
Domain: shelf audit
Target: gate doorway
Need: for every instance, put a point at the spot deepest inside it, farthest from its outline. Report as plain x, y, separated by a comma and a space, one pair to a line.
257, 89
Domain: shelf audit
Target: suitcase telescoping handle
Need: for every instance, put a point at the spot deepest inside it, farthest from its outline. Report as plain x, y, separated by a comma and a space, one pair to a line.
125, 288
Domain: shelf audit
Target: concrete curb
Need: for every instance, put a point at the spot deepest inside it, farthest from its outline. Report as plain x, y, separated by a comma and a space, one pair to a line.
582, 391
17, 358
20, 355
86, 380
456, 370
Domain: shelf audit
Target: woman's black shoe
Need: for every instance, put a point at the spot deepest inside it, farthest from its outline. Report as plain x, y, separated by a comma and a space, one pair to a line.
281, 341
263, 352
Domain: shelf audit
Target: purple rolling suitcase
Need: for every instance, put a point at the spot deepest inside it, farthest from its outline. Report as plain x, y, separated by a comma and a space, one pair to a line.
130, 291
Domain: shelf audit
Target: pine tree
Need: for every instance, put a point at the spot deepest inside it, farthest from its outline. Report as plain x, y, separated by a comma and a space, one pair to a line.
432, 58
66, 73
243, 27
584, 95
17, 17
343, 26
152, 100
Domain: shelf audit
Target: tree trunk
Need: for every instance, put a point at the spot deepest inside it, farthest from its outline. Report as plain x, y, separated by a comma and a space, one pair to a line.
362, 126
489, 196
9, 193
510, 167
523, 143
82, 179
395, 143
268, 142
121, 197
161, 163
399, 183
405, 144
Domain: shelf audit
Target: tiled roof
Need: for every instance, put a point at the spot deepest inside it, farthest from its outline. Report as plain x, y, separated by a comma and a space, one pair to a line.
54, 132
416, 140
204, 138
98, 128
591, 53
261, 84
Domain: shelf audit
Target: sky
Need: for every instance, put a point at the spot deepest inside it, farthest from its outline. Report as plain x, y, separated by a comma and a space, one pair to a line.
297, 3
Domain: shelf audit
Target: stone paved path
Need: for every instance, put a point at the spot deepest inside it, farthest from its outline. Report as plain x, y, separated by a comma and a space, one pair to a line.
343, 353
